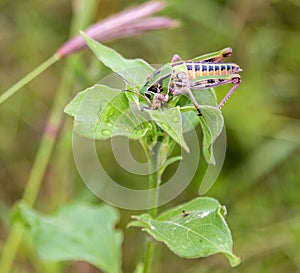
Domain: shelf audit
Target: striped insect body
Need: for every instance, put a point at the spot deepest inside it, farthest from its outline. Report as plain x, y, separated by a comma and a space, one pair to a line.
200, 73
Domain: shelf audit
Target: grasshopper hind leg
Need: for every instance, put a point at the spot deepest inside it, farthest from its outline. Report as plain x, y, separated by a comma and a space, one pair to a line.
237, 81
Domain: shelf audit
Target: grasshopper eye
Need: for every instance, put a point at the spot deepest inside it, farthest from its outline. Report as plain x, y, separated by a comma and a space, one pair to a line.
157, 88
148, 95
184, 213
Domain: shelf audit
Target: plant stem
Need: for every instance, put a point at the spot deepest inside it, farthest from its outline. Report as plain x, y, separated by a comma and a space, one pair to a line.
154, 181
10, 248
148, 256
29, 77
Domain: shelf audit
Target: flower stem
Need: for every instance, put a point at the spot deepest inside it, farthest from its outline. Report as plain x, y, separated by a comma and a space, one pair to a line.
29, 77
45, 148
154, 182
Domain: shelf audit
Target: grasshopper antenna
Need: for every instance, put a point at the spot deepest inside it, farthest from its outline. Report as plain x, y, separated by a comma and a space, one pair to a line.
136, 93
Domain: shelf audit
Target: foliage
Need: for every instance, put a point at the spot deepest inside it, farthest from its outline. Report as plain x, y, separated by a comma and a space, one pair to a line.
191, 230
260, 178
101, 112
76, 232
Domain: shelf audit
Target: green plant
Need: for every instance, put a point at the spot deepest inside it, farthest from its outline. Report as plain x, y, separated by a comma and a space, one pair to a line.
194, 229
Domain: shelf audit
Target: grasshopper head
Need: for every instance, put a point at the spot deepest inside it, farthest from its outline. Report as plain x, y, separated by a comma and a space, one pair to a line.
144, 89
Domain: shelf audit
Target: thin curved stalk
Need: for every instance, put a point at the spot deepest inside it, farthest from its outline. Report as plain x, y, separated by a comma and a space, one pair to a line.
28, 78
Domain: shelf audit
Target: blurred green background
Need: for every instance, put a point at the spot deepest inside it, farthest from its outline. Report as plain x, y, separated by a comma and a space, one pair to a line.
259, 183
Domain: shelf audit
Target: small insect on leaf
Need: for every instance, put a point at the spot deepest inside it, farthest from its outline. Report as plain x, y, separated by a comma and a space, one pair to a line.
184, 213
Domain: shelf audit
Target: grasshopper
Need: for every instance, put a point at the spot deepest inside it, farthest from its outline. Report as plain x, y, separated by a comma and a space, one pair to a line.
200, 73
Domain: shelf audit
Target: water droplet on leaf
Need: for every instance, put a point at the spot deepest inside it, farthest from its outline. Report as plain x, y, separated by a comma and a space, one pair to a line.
152, 227
106, 132
175, 119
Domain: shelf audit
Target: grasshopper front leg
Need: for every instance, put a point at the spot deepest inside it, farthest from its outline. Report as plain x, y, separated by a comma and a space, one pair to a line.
159, 99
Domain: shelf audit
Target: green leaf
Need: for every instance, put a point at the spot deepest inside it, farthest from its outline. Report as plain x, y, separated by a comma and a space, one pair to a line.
101, 112
133, 71
206, 97
76, 232
170, 121
212, 123
194, 229
190, 118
